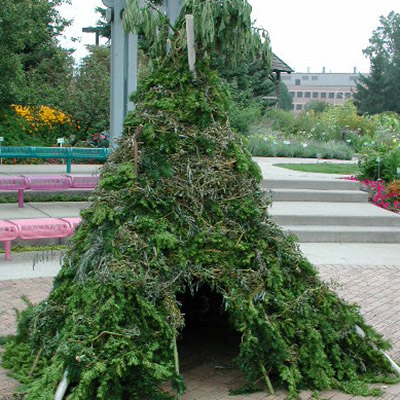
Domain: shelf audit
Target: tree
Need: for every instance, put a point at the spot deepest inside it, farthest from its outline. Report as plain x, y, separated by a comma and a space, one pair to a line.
285, 98
32, 64
11, 44
371, 94
88, 100
380, 91
102, 23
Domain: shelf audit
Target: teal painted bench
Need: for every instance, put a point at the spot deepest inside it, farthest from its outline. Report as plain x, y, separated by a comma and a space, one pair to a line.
65, 153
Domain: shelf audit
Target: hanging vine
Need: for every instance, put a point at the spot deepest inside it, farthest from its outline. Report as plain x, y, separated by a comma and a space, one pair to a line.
221, 26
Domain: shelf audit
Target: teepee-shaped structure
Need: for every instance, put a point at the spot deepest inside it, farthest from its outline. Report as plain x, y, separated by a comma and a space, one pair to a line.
179, 210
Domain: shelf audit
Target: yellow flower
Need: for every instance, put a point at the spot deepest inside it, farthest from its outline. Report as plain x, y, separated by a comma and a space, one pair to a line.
43, 116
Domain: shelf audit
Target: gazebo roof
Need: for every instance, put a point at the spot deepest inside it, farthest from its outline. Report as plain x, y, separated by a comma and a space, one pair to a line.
279, 65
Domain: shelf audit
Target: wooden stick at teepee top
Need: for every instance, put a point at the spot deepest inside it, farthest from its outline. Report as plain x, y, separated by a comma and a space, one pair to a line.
135, 148
190, 43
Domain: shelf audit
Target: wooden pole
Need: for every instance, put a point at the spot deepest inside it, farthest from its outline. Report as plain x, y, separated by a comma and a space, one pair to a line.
267, 380
176, 360
136, 149
190, 43
278, 87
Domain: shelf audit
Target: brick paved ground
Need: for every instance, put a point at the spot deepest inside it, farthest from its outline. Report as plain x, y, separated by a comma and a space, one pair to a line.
376, 289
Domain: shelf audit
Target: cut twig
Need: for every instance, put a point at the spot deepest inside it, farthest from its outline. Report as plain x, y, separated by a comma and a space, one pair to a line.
34, 365
176, 360
136, 150
267, 380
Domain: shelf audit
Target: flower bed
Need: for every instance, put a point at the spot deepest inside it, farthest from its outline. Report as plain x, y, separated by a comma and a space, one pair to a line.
379, 194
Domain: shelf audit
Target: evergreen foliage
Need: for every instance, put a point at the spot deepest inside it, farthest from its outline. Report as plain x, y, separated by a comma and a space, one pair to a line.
370, 96
32, 65
220, 26
380, 91
88, 100
193, 216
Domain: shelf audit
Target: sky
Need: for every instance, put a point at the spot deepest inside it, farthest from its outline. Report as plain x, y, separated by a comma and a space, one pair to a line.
306, 34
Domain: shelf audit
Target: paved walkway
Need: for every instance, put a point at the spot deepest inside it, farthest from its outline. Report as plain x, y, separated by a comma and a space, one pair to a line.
42, 210
269, 167
48, 169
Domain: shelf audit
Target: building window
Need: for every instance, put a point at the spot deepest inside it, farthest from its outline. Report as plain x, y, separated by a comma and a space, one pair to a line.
297, 82
331, 95
286, 77
299, 107
339, 95
292, 94
347, 95
299, 95
307, 95
323, 95
315, 95
305, 78
314, 78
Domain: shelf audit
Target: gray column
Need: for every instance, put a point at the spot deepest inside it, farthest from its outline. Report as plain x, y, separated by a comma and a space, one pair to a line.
173, 9
123, 70
124, 64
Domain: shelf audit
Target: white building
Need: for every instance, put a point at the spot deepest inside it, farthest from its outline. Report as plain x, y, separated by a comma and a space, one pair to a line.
332, 88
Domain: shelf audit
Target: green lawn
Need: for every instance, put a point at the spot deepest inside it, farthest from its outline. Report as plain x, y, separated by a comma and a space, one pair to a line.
341, 169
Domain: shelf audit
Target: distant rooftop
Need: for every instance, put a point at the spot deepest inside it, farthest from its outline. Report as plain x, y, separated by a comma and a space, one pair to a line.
279, 65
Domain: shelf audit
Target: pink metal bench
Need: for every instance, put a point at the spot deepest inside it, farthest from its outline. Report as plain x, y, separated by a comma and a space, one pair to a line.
46, 183
35, 228
73, 222
8, 233
14, 183
83, 181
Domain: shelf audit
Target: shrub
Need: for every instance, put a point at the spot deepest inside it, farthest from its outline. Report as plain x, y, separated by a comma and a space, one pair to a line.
37, 126
280, 120
387, 168
316, 106
16, 130
322, 122
243, 118
394, 187
262, 146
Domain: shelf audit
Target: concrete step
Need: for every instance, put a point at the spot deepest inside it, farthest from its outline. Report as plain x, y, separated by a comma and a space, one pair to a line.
323, 220
316, 184
345, 234
324, 213
341, 196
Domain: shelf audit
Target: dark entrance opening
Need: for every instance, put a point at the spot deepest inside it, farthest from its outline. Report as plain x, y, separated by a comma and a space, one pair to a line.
208, 336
